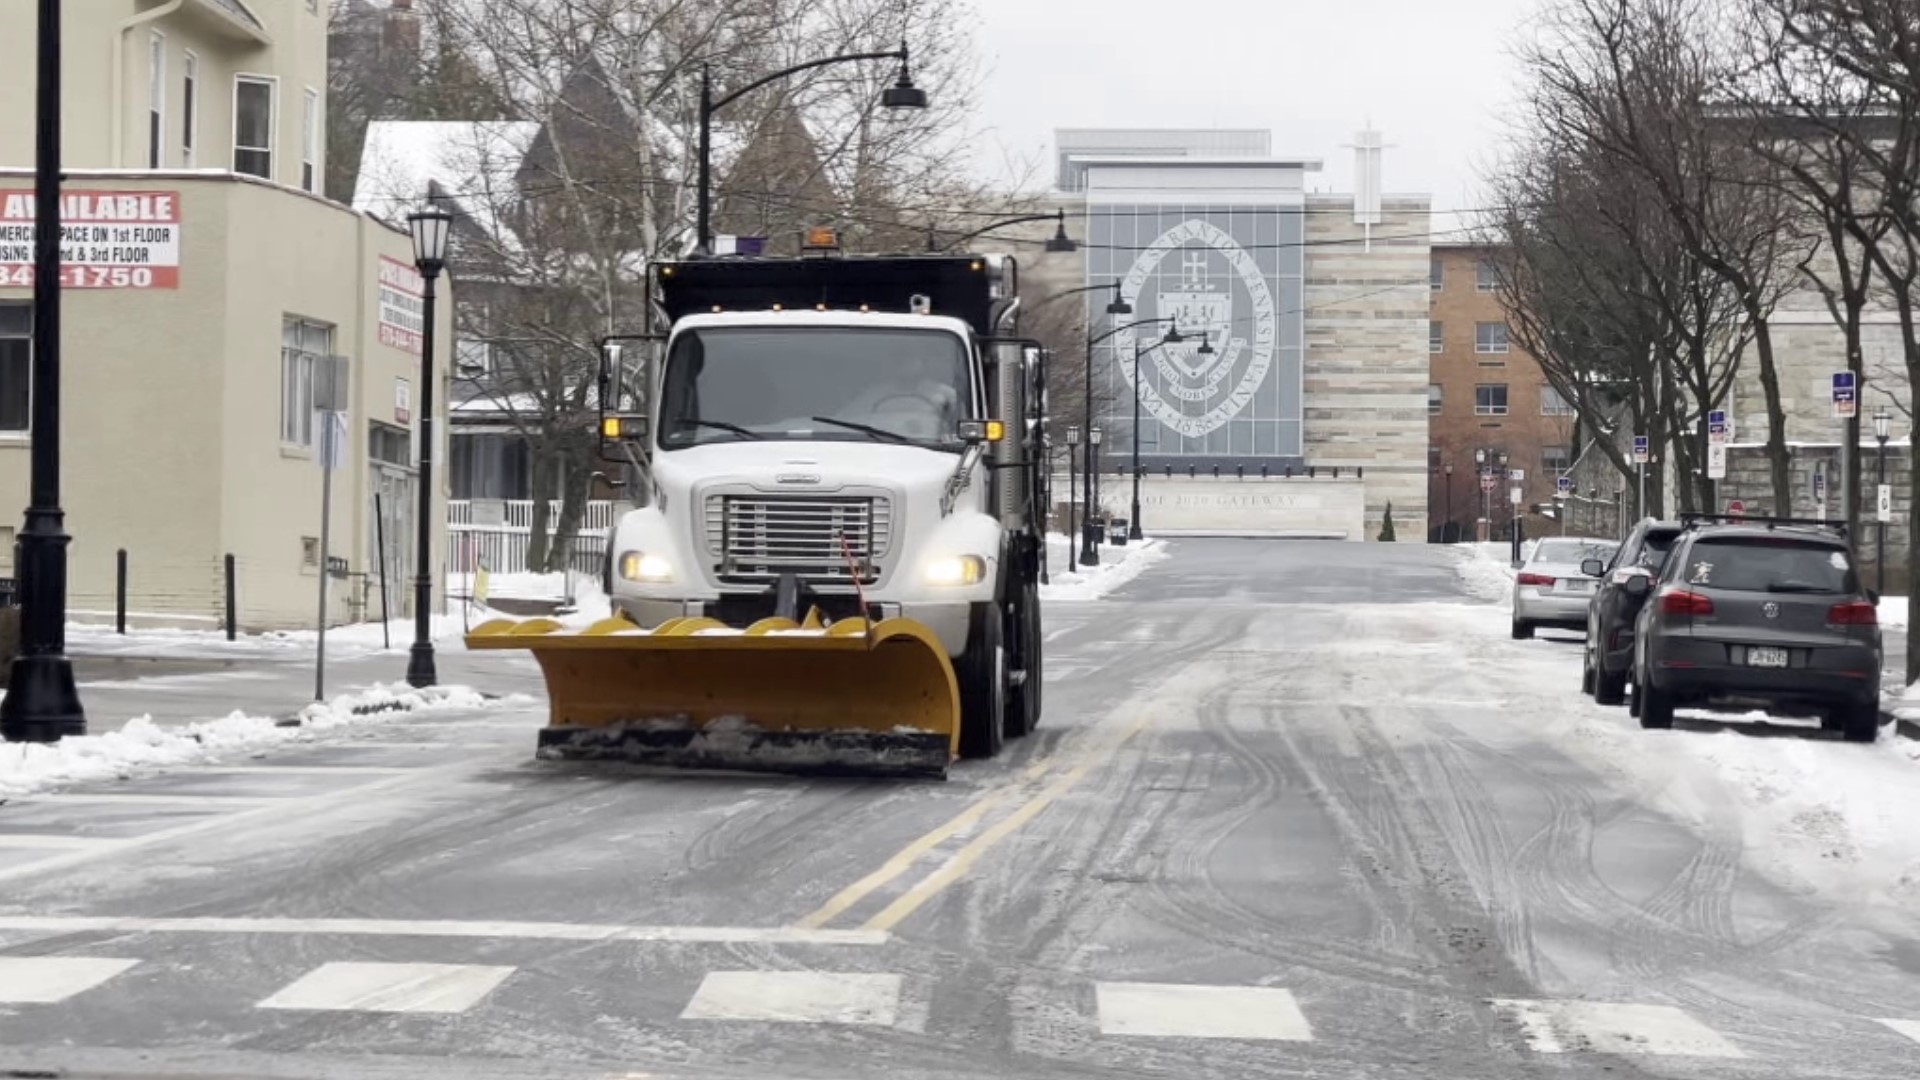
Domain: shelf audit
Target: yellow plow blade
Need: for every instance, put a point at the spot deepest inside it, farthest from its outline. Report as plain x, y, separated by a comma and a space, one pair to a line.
778, 696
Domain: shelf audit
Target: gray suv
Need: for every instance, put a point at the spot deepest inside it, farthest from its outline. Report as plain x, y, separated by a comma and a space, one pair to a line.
1763, 613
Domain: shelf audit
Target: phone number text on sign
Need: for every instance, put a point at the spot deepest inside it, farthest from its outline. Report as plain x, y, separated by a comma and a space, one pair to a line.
108, 239
402, 304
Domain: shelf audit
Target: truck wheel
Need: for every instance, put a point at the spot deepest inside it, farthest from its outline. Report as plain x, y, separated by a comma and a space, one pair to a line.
1860, 722
982, 671
1023, 705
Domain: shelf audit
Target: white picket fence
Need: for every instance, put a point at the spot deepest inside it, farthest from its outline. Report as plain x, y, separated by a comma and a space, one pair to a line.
502, 548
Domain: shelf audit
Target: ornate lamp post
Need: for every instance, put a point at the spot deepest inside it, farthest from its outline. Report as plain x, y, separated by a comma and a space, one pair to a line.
430, 228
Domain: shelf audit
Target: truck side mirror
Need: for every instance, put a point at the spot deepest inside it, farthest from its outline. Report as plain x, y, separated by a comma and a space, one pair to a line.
1593, 567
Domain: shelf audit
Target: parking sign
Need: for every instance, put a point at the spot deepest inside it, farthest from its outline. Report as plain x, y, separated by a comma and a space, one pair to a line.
1844, 403
1566, 485
1717, 426
1640, 447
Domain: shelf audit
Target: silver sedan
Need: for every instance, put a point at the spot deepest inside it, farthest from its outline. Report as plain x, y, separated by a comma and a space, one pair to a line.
1551, 590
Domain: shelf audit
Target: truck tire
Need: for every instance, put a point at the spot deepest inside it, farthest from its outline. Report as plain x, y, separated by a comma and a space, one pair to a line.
982, 672
1023, 705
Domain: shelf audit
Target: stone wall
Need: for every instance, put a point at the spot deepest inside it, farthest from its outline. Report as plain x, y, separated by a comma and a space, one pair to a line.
1366, 356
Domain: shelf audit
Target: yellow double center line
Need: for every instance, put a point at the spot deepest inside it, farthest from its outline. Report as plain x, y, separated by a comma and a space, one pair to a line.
963, 860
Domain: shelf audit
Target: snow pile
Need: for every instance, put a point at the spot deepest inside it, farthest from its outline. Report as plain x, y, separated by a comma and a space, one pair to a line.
142, 746
526, 586
1485, 571
1893, 612
342, 641
1075, 583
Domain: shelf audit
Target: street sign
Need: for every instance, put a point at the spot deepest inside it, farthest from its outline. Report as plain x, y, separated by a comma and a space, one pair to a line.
1736, 508
1515, 494
1820, 483
1486, 483
1844, 403
1516, 474
1883, 503
1716, 461
1565, 484
1717, 430
1640, 448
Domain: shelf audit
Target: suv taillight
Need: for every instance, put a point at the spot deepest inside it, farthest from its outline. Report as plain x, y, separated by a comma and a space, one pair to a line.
1853, 613
1678, 601
1536, 579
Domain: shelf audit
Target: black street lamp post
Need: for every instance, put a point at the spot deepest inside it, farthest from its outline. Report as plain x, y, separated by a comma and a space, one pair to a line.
1119, 305
430, 228
1093, 489
1882, 427
1206, 349
1073, 487
901, 95
42, 704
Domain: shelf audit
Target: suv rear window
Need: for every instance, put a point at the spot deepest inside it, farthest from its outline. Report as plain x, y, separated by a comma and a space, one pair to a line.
1767, 564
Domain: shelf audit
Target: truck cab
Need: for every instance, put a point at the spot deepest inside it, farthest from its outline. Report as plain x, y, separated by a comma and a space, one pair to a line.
857, 436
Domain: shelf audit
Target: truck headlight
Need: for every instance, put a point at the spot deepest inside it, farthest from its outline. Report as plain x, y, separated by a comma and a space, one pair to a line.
638, 566
957, 570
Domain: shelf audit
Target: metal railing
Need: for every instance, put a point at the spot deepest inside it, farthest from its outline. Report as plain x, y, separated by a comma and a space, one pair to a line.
518, 513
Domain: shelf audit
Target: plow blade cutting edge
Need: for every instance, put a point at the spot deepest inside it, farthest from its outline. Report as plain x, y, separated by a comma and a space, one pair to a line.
778, 696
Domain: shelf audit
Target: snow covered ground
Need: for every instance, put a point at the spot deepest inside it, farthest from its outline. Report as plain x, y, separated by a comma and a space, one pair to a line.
1070, 582
1486, 570
143, 747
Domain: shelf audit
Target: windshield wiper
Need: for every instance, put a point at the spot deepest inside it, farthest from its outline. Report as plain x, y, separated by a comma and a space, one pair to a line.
1797, 587
722, 425
867, 428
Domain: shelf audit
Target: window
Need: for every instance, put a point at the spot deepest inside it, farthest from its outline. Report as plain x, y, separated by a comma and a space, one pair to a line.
1436, 340
1436, 398
16, 365
1490, 399
253, 126
1490, 337
393, 445
1770, 566
1486, 277
472, 351
310, 141
156, 100
189, 109
302, 344
1553, 403
1433, 457
1436, 273
1556, 459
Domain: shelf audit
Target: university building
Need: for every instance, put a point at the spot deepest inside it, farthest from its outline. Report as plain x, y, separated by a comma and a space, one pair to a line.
1306, 411
208, 281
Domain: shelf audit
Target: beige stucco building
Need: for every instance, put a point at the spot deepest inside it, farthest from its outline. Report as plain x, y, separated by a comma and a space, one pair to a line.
206, 287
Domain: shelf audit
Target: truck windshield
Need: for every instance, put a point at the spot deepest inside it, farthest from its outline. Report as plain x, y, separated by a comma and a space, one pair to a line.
736, 383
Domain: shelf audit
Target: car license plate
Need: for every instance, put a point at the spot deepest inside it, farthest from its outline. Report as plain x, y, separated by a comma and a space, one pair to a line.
1764, 656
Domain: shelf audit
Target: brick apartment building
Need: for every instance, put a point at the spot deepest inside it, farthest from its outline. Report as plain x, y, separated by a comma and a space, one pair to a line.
1485, 399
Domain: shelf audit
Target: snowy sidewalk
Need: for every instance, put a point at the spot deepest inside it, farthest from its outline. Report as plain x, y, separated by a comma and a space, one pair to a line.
1069, 581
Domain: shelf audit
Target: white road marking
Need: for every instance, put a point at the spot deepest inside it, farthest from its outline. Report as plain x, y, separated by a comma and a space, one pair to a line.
1909, 1028
59, 841
1559, 1027
43, 980
802, 997
298, 770
1170, 1010
392, 988
445, 928
103, 798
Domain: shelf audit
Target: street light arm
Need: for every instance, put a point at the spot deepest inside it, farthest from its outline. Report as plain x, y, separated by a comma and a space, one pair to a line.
899, 54
1121, 329
1060, 216
1064, 293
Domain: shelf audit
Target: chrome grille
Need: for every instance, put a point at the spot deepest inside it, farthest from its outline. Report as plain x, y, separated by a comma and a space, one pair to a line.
760, 537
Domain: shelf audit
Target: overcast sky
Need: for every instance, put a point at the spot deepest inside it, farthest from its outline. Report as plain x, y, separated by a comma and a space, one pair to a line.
1432, 75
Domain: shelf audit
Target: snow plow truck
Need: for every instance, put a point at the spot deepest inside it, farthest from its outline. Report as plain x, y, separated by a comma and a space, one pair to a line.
832, 562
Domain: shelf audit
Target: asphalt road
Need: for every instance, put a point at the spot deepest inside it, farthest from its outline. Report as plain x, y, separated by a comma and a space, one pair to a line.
1297, 809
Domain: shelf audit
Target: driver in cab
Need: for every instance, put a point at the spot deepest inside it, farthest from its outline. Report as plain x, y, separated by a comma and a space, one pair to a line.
915, 399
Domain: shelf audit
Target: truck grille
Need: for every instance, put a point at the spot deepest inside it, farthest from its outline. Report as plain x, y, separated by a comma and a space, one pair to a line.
757, 538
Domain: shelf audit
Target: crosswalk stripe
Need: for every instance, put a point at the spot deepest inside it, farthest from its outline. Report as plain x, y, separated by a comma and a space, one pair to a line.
44, 980
1559, 1027
803, 997
1909, 1028
390, 988
1172, 1010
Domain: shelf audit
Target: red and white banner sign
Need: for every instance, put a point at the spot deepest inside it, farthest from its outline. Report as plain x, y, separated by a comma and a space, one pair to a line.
401, 320
108, 239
